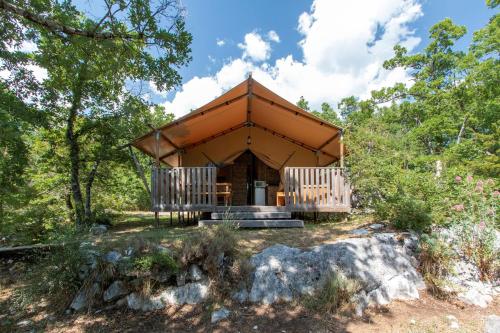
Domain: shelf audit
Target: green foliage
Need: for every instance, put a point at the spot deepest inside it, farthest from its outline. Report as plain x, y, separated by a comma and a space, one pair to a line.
436, 261
335, 293
53, 278
474, 216
448, 119
156, 259
216, 250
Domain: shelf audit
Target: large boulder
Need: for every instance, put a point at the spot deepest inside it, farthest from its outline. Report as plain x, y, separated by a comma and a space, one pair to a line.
381, 263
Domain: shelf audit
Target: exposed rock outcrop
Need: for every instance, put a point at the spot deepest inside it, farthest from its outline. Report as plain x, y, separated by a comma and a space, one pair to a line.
382, 264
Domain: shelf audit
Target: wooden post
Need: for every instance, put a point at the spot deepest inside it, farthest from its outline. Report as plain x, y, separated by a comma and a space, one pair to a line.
342, 149
157, 166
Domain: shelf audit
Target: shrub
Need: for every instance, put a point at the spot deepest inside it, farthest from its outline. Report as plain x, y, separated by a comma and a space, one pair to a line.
435, 256
473, 215
215, 249
53, 278
156, 259
210, 247
436, 261
335, 292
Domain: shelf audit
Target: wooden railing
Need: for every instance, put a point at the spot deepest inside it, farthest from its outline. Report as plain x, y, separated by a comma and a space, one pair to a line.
317, 189
183, 188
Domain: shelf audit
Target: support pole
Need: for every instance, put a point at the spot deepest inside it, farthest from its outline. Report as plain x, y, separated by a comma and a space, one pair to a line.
342, 149
157, 169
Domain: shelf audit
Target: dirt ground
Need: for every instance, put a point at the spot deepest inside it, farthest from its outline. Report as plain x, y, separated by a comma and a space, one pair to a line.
427, 314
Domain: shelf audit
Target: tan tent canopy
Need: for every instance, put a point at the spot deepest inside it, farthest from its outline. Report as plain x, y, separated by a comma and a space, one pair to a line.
247, 117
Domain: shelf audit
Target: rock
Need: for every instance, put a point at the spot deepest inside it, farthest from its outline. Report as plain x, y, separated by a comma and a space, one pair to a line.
359, 232
129, 251
379, 263
113, 257
240, 296
161, 275
195, 273
83, 272
84, 298
25, 323
121, 302
144, 303
475, 297
191, 293
220, 314
376, 226
98, 229
453, 322
492, 324
114, 291
181, 278
399, 287
255, 327
164, 250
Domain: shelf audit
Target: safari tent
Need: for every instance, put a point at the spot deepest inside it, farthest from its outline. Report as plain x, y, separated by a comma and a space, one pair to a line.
247, 148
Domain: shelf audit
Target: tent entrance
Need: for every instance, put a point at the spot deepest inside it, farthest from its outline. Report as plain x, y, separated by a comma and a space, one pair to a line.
241, 175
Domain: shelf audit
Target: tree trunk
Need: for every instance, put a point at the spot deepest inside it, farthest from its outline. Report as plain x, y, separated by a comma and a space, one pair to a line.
88, 191
462, 130
74, 149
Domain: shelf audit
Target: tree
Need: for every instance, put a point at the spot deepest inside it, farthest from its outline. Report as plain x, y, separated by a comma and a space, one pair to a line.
303, 104
89, 64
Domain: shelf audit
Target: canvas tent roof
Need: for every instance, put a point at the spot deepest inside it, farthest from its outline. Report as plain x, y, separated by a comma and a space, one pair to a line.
249, 116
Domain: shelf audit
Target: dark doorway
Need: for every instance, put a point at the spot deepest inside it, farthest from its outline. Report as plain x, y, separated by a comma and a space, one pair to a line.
242, 174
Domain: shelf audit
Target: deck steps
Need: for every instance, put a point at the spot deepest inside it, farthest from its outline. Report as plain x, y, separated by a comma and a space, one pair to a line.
263, 223
233, 209
251, 215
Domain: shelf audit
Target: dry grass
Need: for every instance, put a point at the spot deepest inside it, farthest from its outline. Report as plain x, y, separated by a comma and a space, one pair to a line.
250, 241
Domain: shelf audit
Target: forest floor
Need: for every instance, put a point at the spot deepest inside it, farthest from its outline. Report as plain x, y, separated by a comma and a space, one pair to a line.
426, 314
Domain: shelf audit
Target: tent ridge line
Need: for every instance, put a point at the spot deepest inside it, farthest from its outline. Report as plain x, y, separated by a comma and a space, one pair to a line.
297, 113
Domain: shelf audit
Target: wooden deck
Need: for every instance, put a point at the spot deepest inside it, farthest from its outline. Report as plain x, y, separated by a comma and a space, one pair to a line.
196, 189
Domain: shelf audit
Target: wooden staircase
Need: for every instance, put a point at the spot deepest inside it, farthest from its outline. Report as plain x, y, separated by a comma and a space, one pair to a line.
253, 217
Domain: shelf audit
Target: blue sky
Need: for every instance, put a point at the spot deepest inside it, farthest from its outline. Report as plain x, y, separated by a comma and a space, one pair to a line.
323, 50
230, 20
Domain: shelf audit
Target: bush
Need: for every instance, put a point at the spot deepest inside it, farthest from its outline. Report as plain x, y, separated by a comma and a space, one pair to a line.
335, 292
215, 249
473, 215
156, 259
210, 247
436, 261
53, 278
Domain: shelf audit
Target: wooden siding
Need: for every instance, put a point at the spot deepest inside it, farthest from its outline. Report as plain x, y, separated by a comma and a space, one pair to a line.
183, 188
317, 189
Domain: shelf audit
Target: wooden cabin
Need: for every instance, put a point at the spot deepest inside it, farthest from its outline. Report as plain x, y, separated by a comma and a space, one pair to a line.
250, 152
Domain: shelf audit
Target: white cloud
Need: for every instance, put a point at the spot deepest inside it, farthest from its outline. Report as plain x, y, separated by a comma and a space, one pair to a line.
255, 48
156, 91
273, 36
220, 42
39, 73
194, 94
344, 46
